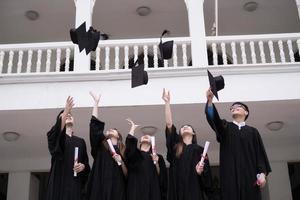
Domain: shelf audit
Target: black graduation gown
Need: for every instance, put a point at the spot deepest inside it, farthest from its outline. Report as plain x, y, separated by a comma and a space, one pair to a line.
144, 183
242, 157
62, 185
184, 182
106, 181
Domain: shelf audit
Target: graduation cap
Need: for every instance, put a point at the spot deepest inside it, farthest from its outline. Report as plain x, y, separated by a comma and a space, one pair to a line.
216, 83
166, 48
138, 75
87, 40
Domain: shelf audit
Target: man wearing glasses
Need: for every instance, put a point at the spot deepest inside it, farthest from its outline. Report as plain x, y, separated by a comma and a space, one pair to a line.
244, 163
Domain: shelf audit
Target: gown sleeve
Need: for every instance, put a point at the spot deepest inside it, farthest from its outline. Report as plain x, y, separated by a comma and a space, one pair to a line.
263, 165
206, 179
85, 160
132, 153
172, 138
215, 122
55, 137
96, 135
163, 179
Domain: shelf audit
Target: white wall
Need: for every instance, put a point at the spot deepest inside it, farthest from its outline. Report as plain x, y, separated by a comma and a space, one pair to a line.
188, 86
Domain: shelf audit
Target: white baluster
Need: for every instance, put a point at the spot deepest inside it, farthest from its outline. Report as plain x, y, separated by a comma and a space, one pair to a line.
146, 64
155, 56
98, 51
262, 52
175, 60
298, 45
215, 55
253, 55
244, 57
67, 61
126, 55
224, 55
282, 56
10, 62
117, 59
107, 52
291, 52
39, 61
58, 57
48, 60
29, 61
135, 52
1, 61
271, 49
20, 60
234, 56
184, 56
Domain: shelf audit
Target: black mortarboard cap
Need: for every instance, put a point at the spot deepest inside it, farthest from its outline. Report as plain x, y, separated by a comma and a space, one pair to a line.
87, 40
166, 48
216, 83
138, 75
93, 37
244, 105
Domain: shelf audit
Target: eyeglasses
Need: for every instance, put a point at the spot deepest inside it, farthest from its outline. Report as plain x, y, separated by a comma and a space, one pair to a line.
237, 106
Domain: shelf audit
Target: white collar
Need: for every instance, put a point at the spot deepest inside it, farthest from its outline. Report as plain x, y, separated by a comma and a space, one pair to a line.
240, 125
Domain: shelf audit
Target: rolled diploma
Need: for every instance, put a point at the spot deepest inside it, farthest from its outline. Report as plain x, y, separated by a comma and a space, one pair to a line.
112, 149
153, 146
204, 153
76, 158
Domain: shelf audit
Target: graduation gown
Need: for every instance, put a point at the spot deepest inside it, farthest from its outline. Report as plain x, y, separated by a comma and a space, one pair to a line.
184, 182
242, 157
62, 185
106, 181
143, 180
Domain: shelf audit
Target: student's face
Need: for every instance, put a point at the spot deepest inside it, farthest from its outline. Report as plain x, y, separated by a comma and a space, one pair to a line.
186, 129
112, 133
238, 110
146, 139
69, 120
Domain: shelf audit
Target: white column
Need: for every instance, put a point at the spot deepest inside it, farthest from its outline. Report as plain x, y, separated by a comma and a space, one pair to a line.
298, 7
18, 186
22, 186
197, 32
84, 11
279, 182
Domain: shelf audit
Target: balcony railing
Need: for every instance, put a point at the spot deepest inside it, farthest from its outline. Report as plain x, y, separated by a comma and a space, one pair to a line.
119, 55
269, 49
109, 55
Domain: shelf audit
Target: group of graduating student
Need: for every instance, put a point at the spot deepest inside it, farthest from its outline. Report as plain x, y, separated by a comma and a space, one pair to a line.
134, 171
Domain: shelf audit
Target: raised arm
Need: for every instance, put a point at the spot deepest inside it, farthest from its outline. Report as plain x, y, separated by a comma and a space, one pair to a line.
168, 114
132, 153
96, 99
68, 107
96, 127
213, 118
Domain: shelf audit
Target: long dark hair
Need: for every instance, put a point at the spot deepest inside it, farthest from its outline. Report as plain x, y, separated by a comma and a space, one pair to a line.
120, 143
179, 146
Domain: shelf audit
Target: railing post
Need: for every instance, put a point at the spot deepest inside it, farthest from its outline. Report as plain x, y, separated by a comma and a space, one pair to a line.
197, 32
84, 12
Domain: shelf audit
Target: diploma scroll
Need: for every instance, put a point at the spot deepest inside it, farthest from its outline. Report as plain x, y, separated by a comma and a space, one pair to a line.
153, 146
204, 153
112, 149
76, 158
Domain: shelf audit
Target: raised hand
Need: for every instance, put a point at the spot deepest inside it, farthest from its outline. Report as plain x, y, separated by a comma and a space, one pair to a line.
166, 96
133, 126
95, 97
209, 96
69, 105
